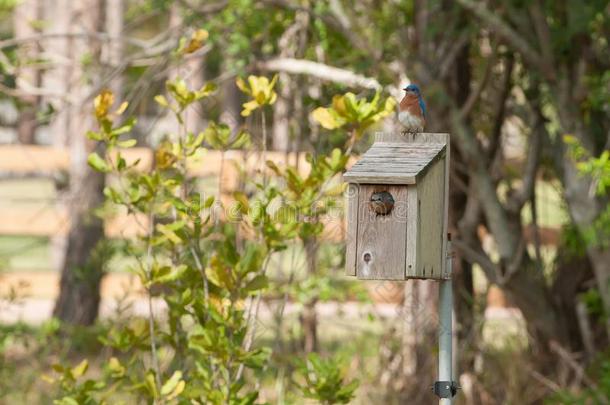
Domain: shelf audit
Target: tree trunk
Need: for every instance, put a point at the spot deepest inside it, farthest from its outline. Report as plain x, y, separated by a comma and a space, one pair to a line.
79, 295
281, 115
82, 270
57, 14
114, 50
192, 69
25, 14
583, 207
55, 80
231, 99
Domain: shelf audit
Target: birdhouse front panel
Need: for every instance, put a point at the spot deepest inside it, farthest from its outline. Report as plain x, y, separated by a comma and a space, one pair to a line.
381, 234
397, 208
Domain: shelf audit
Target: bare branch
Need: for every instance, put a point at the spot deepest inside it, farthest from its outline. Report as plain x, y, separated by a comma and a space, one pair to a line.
101, 36
28, 89
495, 213
320, 71
478, 256
578, 369
205, 9
337, 21
474, 96
543, 33
448, 58
500, 111
506, 32
518, 199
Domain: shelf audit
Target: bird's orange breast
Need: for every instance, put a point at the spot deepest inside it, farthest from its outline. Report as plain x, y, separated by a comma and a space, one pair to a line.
410, 103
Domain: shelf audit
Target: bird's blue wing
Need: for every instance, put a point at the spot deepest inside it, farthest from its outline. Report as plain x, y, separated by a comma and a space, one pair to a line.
422, 105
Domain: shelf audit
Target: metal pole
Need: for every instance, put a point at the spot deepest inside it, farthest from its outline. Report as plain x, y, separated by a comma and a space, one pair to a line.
445, 331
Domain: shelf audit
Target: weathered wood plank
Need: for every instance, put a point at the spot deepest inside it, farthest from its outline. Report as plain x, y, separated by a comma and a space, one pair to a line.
352, 229
413, 226
431, 190
381, 238
375, 178
426, 137
397, 162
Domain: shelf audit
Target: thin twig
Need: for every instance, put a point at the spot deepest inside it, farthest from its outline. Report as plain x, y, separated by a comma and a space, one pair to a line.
578, 369
151, 317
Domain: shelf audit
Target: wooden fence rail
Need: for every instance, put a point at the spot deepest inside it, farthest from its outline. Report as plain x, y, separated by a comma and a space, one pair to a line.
49, 219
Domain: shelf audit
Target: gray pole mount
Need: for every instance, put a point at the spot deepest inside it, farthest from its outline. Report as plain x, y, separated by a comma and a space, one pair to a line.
445, 388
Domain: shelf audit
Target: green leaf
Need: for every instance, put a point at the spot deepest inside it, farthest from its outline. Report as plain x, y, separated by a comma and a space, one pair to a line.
326, 118
172, 383
220, 276
123, 129
257, 283
96, 162
242, 200
127, 143
206, 90
80, 369
173, 274
169, 231
66, 401
161, 100
95, 136
151, 385
116, 368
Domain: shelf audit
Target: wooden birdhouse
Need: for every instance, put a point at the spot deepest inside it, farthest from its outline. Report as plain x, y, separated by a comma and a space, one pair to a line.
397, 208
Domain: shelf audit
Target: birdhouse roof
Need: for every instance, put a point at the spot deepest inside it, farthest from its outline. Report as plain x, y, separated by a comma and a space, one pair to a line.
395, 163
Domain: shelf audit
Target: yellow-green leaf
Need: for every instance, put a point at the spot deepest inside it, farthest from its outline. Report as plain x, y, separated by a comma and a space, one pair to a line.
172, 383
325, 118
122, 108
242, 199
249, 107
161, 100
95, 161
242, 85
80, 369
178, 390
116, 368
196, 42
127, 143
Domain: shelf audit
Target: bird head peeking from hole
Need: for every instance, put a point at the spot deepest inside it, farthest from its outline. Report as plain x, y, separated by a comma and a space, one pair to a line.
412, 110
381, 202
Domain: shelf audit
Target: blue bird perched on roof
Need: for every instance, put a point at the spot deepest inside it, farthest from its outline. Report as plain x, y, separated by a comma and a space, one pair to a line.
412, 110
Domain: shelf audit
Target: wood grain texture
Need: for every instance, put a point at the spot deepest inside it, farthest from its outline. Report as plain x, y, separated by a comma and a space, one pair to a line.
445, 269
394, 162
352, 229
381, 237
431, 197
425, 137
412, 233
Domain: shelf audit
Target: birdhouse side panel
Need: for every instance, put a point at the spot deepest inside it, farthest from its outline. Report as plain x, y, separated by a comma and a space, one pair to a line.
381, 236
413, 233
431, 195
352, 229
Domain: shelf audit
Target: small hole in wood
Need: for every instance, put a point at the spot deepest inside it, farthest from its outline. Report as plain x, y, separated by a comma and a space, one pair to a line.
367, 257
